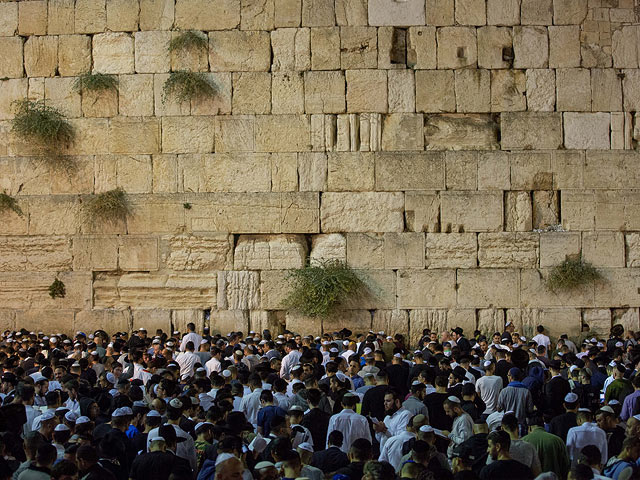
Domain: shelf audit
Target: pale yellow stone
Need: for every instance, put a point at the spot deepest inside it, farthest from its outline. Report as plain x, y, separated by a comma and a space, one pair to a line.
494, 171
59, 321
461, 170
135, 95
624, 48
392, 322
503, 12
534, 292
239, 51
451, 250
492, 42
325, 48
531, 171
59, 93
284, 172
426, 288
508, 250
122, 15
238, 290
235, 133
422, 211
518, 212
530, 47
282, 133
138, 253
619, 286
91, 16
257, 14
556, 247
191, 59
573, 89
473, 90
91, 320
422, 46
269, 252
197, 252
569, 12
402, 92
461, 132
404, 250
350, 172
324, 92
100, 103
74, 55
488, 287
564, 46
402, 131
358, 47
471, 12
318, 13
287, 93
157, 14
41, 56
312, 172
287, 13
403, 172
588, 131
9, 18
134, 135
365, 250
351, 12
366, 91
11, 91
30, 290
32, 17
508, 90
362, 212
113, 53
531, 130
291, 49
244, 172
434, 92
546, 209
251, 93
165, 173
604, 249
61, 17
440, 12
471, 212
38, 253
606, 90
330, 246
536, 12
53, 215
457, 47
541, 90
205, 15
187, 134
151, 52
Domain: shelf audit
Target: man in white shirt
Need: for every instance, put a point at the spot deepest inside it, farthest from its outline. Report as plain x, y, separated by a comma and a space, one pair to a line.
250, 404
214, 364
541, 338
396, 419
586, 433
290, 359
489, 387
191, 336
462, 428
392, 450
187, 360
351, 424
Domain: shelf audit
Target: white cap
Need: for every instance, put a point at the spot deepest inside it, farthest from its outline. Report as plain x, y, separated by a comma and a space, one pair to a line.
61, 427
82, 419
426, 429
223, 457
70, 417
306, 446
619, 344
122, 412
204, 341
508, 324
571, 397
487, 363
263, 465
175, 403
637, 417
201, 424
346, 343
607, 409
453, 399
367, 351
397, 355
152, 413
48, 415
226, 373
333, 350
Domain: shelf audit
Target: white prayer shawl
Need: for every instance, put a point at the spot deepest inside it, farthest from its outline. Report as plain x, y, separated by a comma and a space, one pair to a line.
396, 424
352, 426
392, 450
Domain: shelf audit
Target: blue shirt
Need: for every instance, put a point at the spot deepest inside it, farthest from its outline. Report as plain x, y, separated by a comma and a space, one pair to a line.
358, 381
266, 415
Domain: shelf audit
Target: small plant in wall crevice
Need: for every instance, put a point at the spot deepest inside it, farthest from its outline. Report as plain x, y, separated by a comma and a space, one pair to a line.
189, 40
186, 86
95, 82
571, 274
110, 207
8, 203
36, 121
57, 289
319, 288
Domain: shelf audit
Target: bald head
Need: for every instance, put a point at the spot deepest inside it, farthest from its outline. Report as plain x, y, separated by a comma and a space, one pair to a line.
230, 469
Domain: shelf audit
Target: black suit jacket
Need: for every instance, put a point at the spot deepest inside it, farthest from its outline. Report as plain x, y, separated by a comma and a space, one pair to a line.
329, 460
554, 392
317, 421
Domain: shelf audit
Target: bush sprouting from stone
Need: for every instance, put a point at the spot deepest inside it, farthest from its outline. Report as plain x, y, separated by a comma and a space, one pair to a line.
189, 40
8, 203
186, 86
35, 121
57, 289
96, 82
571, 274
110, 207
319, 288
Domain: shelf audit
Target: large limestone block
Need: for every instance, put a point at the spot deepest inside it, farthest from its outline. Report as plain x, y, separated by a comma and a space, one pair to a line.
391, 12
135, 95
406, 171
402, 131
493, 42
318, 13
632, 243
631, 90
461, 170
491, 320
350, 171
536, 12
53, 215
204, 15
461, 132
350, 12
292, 48
366, 91
154, 290
379, 291
156, 214
197, 252
531, 171
224, 321
287, 13
365, 250
573, 89
568, 169
564, 46
599, 321
39, 253
569, 12
518, 212
238, 290
59, 93
74, 54
546, 208
421, 47
590, 131
403, 250
472, 90
531, 130
402, 92
426, 318
225, 173
332, 246
434, 92
362, 212
100, 103
61, 18
282, 133
451, 250
494, 171
138, 254
440, 12
41, 56
32, 18
122, 15
269, 252
325, 48
358, 47
181, 318
239, 51
606, 90
134, 135
541, 90
508, 91
530, 47
192, 59
534, 292
95, 252
287, 93
164, 174
187, 134
151, 52
560, 321
324, 92
257, 15
157, 14
30, 290
11, 91
312, 172
8, 18
92, 320
91, 16
113, 53
508, 250
628, 317
274, 288
422, 211
235, 133
355, 320
625, 47
391, 322
604, 249
151, 319
471, 12
556, 247
56, 320
618, 288
488, 288
503, 12
426, 288
471, 211
457, 47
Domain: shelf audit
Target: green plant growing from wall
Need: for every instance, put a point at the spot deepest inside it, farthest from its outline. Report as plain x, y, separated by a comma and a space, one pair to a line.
8, 203
57, 289
35, 121
189, 40
319, 288
186, 86
572, 274
110, 207
95, 82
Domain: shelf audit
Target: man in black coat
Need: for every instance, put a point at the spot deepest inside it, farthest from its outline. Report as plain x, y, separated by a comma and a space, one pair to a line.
461, 341
561, 424
317, 420
373, 400
332, 458
556, 389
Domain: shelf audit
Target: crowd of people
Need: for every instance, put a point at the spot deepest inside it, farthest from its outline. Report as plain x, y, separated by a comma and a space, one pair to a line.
343, 406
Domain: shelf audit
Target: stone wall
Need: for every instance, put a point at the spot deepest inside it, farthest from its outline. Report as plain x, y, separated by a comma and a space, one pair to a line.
434, 145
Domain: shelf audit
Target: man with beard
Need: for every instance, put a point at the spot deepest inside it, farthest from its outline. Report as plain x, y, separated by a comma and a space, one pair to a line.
503, 466
462, 428
395, 420
607, 421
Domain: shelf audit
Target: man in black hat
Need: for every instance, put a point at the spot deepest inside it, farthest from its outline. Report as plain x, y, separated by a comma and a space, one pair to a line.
462, 460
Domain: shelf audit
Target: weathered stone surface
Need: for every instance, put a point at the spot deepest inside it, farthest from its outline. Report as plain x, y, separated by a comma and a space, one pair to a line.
325, 48
403, 250
556, 247
239, 51
61, 17
41, 56
274, 288
536, 12
11, 91
11, 59
598, 319
401, 96
494, 171
619, 288
282, 133
625, 47
312, 172
138, 254
152, 290
120, 320
568, 169
287, 13
461, 170
199, 252
349, 171
135, 94
203, 15
287, 93
587, 130
569, 12
503, 12
332, 246
433, 319
491, 320
632, 243
628, 317
397, 171
356, 320
421, 47
530, 47
473, 90
151, 319
157, 14
391, 322
564, 46
426, 288
471, 12
457, 47
529, 130
541, 90
8, 18
508, 89
366, 90
30, 290
390, 12
606, 90
57, 320
604, 249
122, 15
471, 212
291, 49
440, 12
325, 92
492, 42
32, 18
113, 53
91, 16
59, 93
238, 290
451, 250
74, 54
362, 212
318, 13
100, 103
422, 211
187, 134
351, 12
508, 250
358, 47
20, 254
365, 250
531, 171
534, 292
518, 213
95, 252
546, 209
133, 135
573, 89
434, 92
257, 15
53, 215
461, 132
269, 252
402, 131
488, 288
560, 321
151, 52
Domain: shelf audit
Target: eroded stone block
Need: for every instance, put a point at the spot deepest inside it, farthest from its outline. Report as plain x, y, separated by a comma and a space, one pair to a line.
471, 211
362, 212
451, 250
